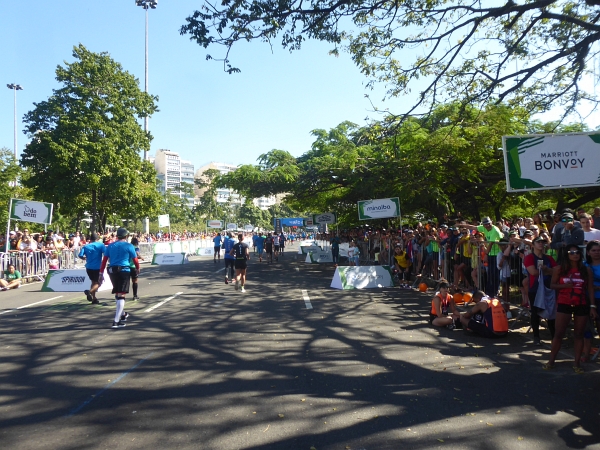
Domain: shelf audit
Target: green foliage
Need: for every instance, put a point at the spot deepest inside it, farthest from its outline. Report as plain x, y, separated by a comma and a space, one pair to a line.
86, 140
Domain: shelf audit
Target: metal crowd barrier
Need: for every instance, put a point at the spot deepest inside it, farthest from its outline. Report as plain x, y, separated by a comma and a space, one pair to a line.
36, 264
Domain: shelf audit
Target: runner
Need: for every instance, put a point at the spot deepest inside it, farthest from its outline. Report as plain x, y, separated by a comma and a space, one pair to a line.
119, 253
134, 273
92, 254
259, 246
217, 244
229, 259
240, 252
276, 245
281, 243
269, 247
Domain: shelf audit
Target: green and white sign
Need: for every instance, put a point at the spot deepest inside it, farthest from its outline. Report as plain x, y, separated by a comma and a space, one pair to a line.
30, 211
551, 161
169, 259
363, 277
380, 208
72, 280
322, 256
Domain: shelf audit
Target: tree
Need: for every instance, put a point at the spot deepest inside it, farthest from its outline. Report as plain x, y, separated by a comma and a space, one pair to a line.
9, 172
530, 53
86, 139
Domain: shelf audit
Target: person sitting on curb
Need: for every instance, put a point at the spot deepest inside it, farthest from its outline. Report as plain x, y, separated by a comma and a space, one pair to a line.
487, 318
13, 279
441, 303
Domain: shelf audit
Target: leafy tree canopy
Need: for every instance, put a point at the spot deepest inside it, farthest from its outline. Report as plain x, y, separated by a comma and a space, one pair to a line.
86, 139
531, 53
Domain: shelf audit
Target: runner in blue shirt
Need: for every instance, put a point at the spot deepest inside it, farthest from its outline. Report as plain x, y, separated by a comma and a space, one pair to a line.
92, 253
229, 259
119, 253
217, 242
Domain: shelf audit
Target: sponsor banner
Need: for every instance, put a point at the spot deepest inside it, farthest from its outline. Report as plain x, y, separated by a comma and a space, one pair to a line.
248, 228
162, 247
205, 251
551, 161
325, 218
232, 226
72, 280
163, 221
29, 211
176, 247
363, 277
215, 224
323, 256
169, 259
309, 222
305, 249
277, 226
295, 222
379, 208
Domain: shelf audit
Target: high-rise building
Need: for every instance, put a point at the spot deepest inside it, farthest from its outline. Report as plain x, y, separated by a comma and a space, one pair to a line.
225, 195
172, 171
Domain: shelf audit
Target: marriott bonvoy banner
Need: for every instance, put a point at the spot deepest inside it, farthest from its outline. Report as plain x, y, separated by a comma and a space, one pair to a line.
551, 161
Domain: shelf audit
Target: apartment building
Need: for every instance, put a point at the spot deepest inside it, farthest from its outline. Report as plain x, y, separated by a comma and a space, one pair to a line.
172, 171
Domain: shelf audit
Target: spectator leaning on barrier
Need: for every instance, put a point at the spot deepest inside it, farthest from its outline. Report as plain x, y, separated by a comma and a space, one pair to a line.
492, 234
13, 279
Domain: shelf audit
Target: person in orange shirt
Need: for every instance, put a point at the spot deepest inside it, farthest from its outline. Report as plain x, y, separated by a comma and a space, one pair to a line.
441, 304
487, 318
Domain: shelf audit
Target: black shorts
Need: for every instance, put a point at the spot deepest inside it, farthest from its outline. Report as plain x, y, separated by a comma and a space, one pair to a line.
240, 264
217, 249
269, 249
432, 317
94, 274
120, 280
482, 330
229, 262
133, 273
573, 310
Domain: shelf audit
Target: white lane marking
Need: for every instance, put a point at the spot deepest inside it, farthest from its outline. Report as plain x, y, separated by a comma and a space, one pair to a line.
105, 388
220, 270
152, 308
306, 299
31, 304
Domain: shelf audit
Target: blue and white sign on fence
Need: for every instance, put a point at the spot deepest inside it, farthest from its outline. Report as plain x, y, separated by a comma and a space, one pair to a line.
292, 222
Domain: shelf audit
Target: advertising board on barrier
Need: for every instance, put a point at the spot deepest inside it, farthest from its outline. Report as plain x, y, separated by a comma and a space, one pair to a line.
232, 226
305, 249
215, 224
363, 277
205, 251
551, 161
72, 280
169, 259
162, 247
248, 227
322, 256
379, 208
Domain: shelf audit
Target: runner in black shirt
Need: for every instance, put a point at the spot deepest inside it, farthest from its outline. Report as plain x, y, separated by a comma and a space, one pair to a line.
269, 247
241, 255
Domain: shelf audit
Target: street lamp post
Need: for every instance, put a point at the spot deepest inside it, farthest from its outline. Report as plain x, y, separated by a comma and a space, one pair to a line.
146, 4
15, 88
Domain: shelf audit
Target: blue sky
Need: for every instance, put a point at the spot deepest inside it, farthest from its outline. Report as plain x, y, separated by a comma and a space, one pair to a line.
205, 114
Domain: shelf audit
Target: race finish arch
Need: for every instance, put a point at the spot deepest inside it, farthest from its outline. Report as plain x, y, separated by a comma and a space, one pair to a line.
551, 161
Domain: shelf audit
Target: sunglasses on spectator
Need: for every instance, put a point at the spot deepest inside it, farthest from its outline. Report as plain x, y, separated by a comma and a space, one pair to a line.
574, 252
566, 220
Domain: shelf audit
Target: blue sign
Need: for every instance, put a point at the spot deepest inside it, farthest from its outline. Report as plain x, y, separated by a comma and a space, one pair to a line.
296, 222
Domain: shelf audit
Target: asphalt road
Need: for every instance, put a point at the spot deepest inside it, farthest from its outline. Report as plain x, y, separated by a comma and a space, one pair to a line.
205, 367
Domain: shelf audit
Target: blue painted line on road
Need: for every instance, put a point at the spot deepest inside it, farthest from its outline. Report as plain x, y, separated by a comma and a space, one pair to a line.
105, 388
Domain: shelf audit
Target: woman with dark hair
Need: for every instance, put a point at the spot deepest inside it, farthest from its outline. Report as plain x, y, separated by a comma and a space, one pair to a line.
574, 284
592, 252
539, 222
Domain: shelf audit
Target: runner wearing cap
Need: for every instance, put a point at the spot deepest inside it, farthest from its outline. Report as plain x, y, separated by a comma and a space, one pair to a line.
119, 253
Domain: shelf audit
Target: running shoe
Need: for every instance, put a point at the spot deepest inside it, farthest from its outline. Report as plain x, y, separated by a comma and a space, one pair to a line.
451, 326
226, 280
135, 298
88, 295
124, 317
95, 302
243, 290
537, 341
119, 324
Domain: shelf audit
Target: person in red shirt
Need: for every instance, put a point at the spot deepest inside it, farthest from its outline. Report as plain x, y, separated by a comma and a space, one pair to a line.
574, 284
